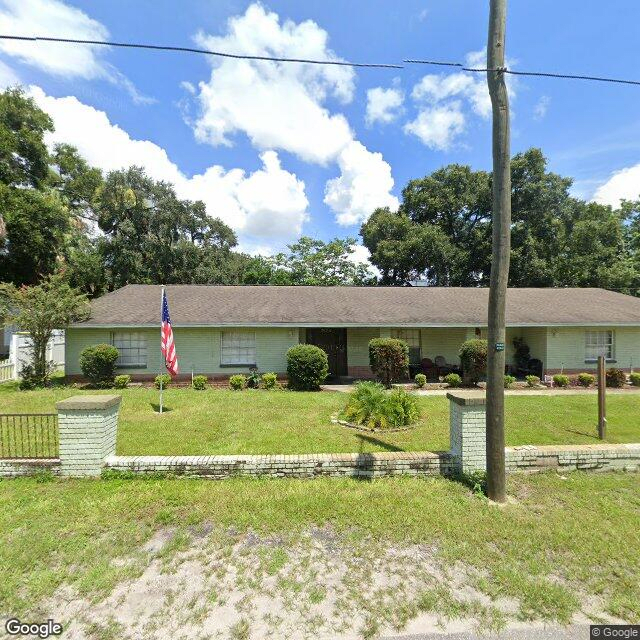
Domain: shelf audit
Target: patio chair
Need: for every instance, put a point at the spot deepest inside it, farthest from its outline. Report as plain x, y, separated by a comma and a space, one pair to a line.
429, 369
442, 366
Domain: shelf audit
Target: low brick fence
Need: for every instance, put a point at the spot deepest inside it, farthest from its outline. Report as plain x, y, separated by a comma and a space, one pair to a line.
361, 465
88, 426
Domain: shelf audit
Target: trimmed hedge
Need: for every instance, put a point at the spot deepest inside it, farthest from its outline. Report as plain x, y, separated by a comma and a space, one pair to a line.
616, 378
269, 380
586, 379
634, 378
473, 355
508, 381
389, 359
420, 380
122, 381
199, 383
165, 378
560, 380
238, 381
533, 381
453, 380
307, 367
98, 363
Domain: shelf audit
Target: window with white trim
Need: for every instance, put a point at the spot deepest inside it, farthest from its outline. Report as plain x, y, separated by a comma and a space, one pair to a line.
238, 347
412, 338
132, 349
599, 343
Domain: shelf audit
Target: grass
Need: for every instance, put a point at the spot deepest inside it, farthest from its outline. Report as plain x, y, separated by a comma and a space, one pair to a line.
562, 541
258, 422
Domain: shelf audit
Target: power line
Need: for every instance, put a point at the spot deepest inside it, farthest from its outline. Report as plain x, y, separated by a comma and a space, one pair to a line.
543, 74
132, 45
340, 63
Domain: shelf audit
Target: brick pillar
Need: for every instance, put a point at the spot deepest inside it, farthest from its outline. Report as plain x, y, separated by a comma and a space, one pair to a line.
87, 427
468, 430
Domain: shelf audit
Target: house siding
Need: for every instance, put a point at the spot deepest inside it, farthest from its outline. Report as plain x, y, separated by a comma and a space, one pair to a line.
566, 348
198, 350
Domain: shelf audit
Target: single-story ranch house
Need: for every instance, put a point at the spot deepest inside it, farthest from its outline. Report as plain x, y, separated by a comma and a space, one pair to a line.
221, 330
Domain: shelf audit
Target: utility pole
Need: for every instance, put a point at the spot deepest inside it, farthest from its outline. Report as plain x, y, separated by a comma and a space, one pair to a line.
501, 247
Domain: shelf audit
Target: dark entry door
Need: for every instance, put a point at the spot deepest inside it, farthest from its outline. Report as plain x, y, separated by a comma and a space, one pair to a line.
334, 342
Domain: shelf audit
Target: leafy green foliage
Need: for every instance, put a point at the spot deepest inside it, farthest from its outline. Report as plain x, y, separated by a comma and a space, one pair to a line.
253, 379
442, 232
199, 383
122, 381
238, 381
389, 359
307, 367
616, 378
508, 381
163, 378
39, 310
371, 406
420, 380
98, 363
533, 381
634, 379
586, 379
453, 380
473, 355
560, 380
269, 380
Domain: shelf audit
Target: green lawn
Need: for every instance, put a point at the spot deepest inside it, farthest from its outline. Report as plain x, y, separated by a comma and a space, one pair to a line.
228, 422
561, 543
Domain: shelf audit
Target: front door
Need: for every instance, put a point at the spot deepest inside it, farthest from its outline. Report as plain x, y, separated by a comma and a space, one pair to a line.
334, 342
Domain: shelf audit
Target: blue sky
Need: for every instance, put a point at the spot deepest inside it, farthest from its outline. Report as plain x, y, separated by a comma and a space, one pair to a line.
281, 150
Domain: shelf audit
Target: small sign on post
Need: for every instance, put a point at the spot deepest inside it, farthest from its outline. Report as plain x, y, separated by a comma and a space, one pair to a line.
602, 397
499, 346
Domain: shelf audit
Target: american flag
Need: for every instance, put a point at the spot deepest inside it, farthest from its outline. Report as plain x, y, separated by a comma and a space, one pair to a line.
167, 345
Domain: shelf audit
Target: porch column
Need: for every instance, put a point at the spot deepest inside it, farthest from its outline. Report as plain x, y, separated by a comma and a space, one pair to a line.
87, 427
468, 430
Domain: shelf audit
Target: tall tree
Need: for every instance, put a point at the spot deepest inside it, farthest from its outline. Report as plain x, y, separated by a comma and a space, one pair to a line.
442, 232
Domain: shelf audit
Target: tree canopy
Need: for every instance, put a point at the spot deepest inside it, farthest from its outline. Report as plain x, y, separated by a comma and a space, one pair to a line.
442, 232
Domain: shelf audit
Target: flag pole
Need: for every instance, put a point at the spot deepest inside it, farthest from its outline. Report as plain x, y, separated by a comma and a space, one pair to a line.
161, 304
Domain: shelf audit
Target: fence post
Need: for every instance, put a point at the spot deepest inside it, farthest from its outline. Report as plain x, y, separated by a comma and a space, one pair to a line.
468, 431
87, 428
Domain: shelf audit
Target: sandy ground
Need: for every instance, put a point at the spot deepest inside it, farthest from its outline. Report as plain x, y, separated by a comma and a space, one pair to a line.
208, 583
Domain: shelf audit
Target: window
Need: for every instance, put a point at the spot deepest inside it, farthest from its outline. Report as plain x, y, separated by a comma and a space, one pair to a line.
132, 349
238, 347
599, 343
412, 338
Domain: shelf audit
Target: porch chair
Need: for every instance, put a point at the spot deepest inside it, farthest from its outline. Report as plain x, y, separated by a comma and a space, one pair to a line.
429, 369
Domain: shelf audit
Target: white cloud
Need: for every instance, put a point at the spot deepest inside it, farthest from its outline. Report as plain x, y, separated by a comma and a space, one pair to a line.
282, 106
363, 185
623, 184
361, 255
441, 100
277, 105
8, 76
541, 107
383, 105
269, 202
438, 127
57, 19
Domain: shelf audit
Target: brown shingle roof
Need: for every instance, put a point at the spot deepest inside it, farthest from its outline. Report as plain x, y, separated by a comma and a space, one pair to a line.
339, 306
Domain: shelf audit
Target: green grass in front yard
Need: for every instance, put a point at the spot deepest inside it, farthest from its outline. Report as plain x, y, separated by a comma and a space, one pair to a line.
260, 422
563, 541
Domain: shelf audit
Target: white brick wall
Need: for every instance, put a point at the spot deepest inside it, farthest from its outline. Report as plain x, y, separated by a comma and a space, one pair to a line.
87, 426
468, 428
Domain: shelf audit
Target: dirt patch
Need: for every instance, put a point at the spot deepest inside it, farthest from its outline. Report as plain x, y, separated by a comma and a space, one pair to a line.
204, 582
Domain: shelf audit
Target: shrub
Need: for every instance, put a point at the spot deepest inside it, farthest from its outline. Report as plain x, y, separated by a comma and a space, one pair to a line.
253, 379
616, 378
307, 367
473, 355
586, 379
371, 406
199, 383
121, 381
98, 363
560, 380
388, 358
533, 381
269, 380
453, 379
29, 379
634, 378
508, 381
421, 380
165, 378
238, 381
